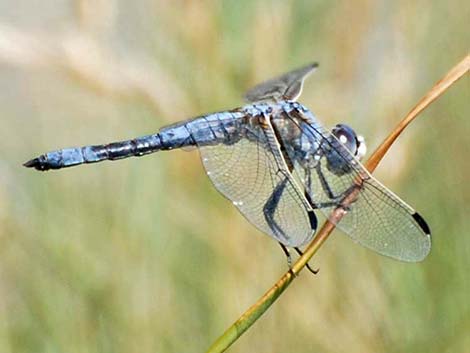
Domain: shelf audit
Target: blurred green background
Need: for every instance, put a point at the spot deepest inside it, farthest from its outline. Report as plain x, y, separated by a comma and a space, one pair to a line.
143, 255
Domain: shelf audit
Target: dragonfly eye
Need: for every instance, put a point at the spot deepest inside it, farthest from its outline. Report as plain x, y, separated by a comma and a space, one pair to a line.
354, 143
347, 137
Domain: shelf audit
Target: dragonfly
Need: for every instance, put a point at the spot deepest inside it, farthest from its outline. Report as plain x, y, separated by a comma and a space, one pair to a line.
280, 167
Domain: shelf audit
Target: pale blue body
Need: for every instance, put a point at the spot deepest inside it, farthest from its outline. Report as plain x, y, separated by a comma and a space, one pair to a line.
226, 127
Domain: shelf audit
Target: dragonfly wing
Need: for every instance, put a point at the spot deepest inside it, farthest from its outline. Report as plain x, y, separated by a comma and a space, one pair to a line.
248, 173
381, 221
373, 216
285, 87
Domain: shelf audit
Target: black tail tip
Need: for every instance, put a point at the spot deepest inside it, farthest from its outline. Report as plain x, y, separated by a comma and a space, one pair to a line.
36, 163
422, 223
31, 163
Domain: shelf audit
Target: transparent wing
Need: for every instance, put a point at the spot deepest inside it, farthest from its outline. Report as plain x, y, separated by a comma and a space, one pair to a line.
247, 173
374, 216
287, 86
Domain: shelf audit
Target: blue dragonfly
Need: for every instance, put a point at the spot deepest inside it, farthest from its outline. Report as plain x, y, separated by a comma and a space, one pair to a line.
279, 166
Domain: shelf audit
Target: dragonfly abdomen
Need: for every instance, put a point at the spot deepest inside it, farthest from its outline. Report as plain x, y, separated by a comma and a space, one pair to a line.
69, 157
206, 130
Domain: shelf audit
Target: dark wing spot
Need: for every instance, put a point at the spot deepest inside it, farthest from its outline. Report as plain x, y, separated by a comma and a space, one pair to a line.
422, 223
313, 220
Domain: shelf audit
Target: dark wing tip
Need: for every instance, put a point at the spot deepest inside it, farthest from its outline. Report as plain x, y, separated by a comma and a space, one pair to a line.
422, 223
36, 163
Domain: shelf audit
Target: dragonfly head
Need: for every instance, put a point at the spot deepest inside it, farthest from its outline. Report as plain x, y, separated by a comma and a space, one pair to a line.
353, 142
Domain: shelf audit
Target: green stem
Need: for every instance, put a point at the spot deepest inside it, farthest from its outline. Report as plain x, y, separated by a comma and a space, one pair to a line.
251, 315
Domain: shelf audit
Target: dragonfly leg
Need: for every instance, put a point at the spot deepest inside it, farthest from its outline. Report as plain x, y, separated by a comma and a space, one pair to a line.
286, 251
288, 255
308, 192
307, 265
289, 258
324, 184
335, 199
